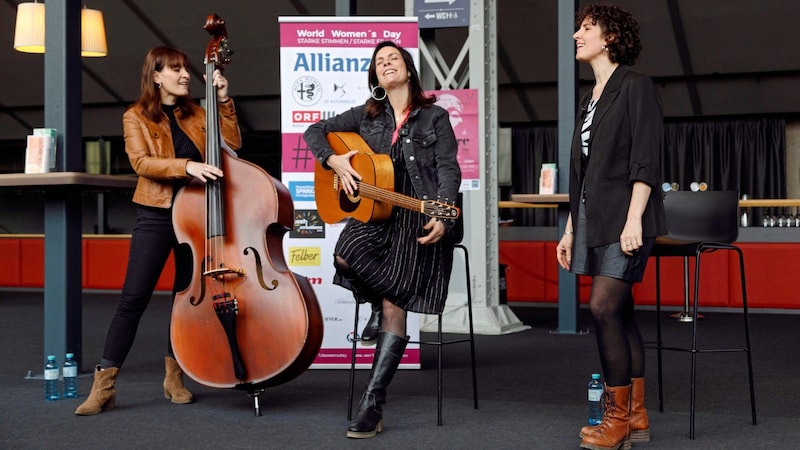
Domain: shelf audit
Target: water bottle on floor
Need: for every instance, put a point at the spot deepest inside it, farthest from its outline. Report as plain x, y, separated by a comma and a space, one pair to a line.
595, 392
51, 388
70, 372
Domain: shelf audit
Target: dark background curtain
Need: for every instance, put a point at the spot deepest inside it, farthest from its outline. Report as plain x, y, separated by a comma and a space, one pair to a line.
748, 155
531, 147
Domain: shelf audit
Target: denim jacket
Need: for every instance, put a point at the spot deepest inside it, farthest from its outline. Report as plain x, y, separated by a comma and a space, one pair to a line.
428, 144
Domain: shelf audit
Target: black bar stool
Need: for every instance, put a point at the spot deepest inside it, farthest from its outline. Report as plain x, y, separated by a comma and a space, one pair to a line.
700, 223
439, 342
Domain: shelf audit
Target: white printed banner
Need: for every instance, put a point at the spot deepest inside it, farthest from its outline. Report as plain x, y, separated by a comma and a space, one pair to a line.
324, 62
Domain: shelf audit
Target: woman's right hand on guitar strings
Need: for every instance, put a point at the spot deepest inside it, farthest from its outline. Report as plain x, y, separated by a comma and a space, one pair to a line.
347, 175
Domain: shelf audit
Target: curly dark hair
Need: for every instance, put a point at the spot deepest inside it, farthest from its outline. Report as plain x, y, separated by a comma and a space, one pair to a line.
619, 27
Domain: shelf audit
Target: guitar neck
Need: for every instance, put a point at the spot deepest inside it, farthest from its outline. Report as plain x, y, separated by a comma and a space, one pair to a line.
393, 198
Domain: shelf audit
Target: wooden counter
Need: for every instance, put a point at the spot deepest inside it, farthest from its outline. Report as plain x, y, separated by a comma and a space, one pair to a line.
552, 200
80, 180
62, 248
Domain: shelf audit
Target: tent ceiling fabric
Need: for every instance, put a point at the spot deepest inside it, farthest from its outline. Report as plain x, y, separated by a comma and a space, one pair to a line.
709, 58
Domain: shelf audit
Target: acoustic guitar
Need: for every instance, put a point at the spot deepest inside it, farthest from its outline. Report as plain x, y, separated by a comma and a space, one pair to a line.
375, 195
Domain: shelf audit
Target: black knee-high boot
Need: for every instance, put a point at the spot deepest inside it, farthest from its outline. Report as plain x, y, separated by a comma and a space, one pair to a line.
370, 334
369, 420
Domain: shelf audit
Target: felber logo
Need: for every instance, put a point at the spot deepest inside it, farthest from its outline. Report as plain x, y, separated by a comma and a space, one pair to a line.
305, 256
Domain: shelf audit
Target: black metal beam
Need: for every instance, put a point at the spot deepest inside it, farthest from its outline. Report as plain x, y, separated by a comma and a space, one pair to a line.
683, 53
508, 67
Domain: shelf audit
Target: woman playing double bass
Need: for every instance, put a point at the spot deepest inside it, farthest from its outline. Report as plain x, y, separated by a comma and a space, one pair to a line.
165, 142
404, 263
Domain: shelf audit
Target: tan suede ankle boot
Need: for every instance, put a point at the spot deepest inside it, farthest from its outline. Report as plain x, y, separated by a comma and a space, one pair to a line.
103, 394
173, 382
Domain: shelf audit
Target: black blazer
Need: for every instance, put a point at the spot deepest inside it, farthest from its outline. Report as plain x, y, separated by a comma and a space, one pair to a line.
625, 144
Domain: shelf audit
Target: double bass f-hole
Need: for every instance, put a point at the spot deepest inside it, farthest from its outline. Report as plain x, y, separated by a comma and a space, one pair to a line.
220, 273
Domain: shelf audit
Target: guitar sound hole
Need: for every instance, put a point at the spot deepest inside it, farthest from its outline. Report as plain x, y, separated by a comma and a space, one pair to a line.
348, 203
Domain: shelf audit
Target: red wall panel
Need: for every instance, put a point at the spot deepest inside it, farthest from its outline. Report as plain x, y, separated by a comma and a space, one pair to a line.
103, 264
31, 262
10, 267
525, 276
772, 273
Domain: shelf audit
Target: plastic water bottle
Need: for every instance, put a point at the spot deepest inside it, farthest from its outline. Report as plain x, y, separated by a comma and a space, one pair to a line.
51, 388
595, 408
70, 373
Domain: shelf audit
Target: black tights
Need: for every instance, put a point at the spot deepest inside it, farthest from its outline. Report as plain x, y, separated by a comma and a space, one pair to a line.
618, 338
393, 319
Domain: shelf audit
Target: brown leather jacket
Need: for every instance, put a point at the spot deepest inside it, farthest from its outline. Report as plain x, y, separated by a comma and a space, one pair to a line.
152, 155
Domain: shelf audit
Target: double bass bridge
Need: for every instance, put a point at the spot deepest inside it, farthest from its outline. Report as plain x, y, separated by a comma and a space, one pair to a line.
222, 272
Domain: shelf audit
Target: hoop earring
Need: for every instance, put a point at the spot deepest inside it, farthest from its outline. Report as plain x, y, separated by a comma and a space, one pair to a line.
378, 93
158, 85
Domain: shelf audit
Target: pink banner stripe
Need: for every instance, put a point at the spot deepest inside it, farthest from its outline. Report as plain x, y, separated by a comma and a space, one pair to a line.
363, 356
348, 34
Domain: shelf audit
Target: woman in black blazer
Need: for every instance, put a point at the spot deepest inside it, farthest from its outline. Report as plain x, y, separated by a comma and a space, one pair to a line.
615, 210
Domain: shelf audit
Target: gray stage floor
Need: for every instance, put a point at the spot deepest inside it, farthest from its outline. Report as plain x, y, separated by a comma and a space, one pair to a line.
531, 391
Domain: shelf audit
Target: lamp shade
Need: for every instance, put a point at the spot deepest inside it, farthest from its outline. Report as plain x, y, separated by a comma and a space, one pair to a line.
29, 30
93, 33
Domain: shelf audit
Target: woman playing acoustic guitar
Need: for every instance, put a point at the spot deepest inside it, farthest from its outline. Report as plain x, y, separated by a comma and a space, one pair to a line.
401, 264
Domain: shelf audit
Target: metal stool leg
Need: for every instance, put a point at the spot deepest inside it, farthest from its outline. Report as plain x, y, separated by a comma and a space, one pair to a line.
353, 365
686, 315
471, 336
658, 335
471, 328
693, 385
747, 337
440, 342
439, 373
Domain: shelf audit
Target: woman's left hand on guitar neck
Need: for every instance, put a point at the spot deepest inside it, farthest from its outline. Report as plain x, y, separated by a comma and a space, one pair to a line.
435, 228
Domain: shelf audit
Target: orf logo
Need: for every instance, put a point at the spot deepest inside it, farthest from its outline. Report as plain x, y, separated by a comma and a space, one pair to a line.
306, 116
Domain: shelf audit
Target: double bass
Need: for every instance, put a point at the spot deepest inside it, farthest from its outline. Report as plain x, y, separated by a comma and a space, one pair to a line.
245, 321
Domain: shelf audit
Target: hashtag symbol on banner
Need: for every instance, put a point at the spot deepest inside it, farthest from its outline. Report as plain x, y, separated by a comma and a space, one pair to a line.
302, 155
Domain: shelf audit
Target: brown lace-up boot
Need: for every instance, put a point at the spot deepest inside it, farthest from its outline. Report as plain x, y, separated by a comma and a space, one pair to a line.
613, 433
640, 425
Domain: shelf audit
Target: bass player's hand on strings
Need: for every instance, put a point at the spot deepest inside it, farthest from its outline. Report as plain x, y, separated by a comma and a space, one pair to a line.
204, 172
347, 175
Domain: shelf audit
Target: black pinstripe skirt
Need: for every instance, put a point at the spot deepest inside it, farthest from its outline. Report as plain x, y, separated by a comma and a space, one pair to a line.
387, 257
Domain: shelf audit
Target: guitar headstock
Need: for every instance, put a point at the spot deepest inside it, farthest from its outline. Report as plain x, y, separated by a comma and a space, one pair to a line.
440, 210
217, 51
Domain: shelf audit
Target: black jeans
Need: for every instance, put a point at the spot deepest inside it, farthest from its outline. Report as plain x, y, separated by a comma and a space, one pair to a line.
152, 241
